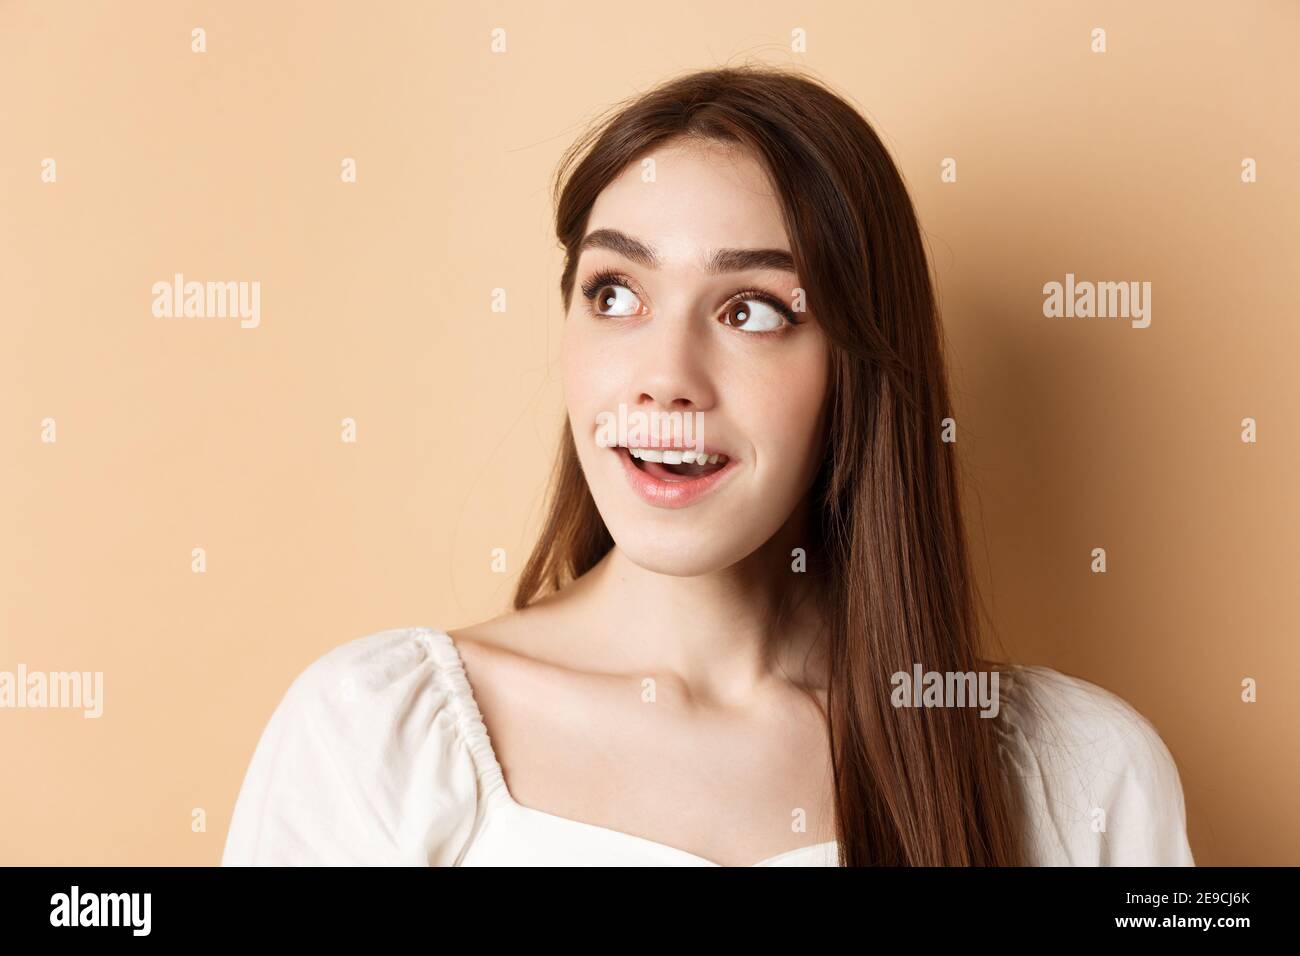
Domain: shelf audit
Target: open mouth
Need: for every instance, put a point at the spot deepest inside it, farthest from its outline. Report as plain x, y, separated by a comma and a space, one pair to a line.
667, 464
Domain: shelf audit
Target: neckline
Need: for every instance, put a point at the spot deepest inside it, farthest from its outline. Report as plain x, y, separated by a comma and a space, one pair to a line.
485, 757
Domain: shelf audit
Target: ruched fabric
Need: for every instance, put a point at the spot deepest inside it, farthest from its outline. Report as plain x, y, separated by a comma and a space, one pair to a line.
365, 761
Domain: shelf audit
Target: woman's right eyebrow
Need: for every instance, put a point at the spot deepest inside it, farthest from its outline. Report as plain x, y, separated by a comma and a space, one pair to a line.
721, 260
623, 244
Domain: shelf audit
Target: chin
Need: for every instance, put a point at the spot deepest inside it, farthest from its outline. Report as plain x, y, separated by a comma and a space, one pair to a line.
681, 552
685, 560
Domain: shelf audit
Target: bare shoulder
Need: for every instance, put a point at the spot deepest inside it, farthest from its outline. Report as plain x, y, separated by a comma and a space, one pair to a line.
523, 634
550, 632
520, 659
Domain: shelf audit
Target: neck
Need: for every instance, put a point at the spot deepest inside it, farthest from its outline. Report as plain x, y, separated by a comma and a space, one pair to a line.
727, 634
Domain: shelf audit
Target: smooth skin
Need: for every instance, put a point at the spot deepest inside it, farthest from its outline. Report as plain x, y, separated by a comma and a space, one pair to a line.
732, 753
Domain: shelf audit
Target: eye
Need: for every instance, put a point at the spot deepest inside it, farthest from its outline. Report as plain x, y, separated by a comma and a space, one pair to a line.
756, 315
610, 295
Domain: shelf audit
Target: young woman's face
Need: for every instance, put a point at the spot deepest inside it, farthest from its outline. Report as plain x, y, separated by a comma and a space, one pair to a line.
684, 301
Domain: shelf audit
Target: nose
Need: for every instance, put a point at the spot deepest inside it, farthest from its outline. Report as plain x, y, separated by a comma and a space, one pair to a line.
672, 370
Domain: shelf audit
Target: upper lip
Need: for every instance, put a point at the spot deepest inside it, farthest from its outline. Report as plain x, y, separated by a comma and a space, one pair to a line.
670, 445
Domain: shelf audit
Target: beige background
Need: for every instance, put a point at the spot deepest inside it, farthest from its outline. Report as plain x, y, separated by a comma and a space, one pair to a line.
176, 434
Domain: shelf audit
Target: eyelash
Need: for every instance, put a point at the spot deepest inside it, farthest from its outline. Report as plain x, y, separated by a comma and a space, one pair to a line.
610, 277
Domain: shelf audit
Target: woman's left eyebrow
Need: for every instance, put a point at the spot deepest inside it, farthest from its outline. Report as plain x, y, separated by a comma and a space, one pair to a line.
719, 261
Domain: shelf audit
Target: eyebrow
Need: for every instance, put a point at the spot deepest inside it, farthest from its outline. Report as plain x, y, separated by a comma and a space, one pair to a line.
719, 261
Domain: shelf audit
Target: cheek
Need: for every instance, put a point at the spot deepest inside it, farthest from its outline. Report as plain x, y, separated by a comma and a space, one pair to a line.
786, 422
580, 368
790, 431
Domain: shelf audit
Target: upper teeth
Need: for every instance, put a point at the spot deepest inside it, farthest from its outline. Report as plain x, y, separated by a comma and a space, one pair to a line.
670, 456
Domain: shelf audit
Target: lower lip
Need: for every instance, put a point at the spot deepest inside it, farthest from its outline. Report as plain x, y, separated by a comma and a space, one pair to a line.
671, 494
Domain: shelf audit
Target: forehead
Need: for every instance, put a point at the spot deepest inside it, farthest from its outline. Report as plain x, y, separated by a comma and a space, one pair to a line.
696, 196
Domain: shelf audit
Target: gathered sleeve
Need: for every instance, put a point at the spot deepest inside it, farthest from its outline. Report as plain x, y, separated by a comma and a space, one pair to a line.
362, 763
1098, 783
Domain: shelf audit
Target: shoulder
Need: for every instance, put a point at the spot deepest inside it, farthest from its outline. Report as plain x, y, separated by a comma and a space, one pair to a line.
1098, 782
368, 758
377, 667
373, 690
1056, 712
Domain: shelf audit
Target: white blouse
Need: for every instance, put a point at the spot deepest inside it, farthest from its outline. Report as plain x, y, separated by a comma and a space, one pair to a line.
377, 755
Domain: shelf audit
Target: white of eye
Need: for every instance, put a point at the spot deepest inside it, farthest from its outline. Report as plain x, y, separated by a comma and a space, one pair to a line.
607, 303
758, 316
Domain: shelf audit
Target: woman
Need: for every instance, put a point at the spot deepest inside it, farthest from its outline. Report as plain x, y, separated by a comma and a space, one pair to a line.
721, 647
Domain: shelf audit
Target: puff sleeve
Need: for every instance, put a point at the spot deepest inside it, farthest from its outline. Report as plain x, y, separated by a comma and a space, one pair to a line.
362, 763
1098, 783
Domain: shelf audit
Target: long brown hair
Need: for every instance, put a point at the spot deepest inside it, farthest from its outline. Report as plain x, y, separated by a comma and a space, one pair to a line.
913, 786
